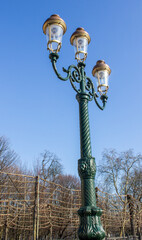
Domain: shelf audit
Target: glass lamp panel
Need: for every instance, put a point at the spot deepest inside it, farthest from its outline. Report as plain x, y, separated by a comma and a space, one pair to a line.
81, 46
102, 80
54, 34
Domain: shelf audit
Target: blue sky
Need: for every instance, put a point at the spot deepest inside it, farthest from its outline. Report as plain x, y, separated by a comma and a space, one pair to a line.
38, 111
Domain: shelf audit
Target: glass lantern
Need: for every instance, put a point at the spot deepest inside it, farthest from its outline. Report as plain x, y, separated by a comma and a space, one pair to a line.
54, 28
80, 40
102, 71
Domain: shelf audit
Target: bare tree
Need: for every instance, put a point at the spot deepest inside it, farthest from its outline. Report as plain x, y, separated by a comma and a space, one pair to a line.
48, 166
117, 170
117, 174
69, 181
135, 184
7, 156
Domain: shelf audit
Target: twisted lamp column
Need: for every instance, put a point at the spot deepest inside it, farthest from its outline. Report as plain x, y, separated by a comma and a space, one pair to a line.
90, 224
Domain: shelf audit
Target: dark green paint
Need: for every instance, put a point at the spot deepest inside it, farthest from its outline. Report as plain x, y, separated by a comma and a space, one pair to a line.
90, 225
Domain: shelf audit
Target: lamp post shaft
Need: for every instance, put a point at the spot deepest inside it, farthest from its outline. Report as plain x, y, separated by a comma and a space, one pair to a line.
90, 226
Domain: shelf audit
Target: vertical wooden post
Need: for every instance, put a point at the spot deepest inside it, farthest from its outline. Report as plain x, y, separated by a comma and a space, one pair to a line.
96, 191
50, 224
51, 232
17, 221
71, 197
37, 208
6, 222
139, 222
36, 211
24, 218
131, 209
6, 231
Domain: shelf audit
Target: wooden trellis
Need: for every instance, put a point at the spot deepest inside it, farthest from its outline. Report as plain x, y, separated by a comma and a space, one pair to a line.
33, 207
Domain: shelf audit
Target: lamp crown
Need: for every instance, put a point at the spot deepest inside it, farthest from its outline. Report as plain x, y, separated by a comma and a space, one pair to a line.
80, 32
54, 19
101, 65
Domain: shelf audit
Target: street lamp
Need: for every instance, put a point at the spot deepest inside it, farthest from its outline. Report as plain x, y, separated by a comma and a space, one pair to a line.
54, 27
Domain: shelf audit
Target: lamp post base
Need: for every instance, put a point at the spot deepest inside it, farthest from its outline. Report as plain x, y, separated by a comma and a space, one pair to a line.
90, 225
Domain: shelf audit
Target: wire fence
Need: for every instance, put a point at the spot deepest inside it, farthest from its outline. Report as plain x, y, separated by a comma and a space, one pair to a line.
34, 208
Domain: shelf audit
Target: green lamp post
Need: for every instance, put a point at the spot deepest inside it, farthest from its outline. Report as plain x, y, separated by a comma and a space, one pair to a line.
54, 27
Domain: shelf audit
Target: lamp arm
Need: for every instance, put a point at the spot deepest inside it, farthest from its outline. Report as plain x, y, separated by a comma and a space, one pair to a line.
54, 57
92, 93
73, 75
104, 100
